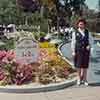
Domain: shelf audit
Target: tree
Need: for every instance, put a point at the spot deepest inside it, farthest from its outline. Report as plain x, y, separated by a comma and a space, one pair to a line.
7, 11
99, 8
99, 4
16, 11
28, 5
61, 6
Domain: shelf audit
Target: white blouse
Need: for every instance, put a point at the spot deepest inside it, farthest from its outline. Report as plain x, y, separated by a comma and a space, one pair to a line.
74, 39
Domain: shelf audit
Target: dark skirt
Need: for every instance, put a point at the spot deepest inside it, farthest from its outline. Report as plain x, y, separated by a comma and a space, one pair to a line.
81, 59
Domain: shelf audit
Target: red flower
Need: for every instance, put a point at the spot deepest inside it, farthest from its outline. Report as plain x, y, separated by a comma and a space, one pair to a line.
22, 74
2, 54
2, 74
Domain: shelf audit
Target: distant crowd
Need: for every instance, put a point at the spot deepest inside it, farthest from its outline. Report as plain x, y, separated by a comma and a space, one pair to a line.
65, 31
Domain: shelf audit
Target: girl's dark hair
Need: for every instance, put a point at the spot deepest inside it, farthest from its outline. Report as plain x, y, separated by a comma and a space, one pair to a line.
81, 20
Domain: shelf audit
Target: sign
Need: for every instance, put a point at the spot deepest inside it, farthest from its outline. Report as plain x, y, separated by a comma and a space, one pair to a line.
27, 50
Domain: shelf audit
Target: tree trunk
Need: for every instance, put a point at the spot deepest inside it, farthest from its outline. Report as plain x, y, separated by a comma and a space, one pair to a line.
26, 20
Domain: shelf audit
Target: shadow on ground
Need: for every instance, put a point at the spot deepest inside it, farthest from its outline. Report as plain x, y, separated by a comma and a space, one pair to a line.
94, 84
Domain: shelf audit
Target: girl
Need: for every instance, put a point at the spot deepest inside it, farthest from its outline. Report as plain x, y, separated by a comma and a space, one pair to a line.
81, 51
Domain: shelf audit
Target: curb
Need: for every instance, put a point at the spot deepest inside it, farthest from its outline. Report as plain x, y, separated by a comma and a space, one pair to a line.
37, 89
64, 58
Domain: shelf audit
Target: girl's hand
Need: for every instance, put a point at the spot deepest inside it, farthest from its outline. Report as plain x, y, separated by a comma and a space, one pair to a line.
73, 53
88, 47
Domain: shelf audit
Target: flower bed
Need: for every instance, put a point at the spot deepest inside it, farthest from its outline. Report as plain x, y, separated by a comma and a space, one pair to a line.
56, 69
50, 67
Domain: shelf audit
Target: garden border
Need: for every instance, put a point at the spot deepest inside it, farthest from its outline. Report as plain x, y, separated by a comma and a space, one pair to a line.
65, 58
34, 89
30, 88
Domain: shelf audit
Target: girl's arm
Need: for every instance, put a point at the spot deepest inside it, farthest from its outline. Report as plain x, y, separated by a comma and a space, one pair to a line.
73, 42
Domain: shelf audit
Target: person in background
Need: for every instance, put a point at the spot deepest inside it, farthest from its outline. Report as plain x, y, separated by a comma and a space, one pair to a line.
67, 31
61, 30
81, 51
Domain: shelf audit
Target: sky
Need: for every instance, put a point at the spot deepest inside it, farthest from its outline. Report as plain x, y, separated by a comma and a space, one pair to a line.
92, 4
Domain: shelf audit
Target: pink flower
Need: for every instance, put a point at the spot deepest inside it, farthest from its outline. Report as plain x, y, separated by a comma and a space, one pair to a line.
2, 74
10, 55
3, 53
22, 73
5, 60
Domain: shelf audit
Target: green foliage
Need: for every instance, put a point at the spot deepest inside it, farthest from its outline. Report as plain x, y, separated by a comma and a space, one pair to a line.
38, 35
11, 13
9, 44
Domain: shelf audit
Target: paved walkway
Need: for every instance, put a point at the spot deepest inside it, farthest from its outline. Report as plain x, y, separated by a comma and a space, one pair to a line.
72, 93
